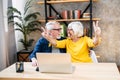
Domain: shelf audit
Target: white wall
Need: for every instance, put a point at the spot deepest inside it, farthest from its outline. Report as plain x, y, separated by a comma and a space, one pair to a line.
20, 6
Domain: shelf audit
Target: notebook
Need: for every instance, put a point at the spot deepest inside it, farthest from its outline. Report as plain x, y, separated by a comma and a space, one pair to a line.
54, 62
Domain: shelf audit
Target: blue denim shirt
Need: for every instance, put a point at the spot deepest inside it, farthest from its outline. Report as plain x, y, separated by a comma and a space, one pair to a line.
42, 45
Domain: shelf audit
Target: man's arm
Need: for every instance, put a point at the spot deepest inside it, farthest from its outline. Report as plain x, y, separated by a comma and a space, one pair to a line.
37, 48
33, 54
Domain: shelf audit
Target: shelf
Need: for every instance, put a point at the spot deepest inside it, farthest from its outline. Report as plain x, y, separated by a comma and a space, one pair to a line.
82, 19
65, 1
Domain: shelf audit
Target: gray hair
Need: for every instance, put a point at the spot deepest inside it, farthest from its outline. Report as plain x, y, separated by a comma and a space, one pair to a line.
50, 25
77, 28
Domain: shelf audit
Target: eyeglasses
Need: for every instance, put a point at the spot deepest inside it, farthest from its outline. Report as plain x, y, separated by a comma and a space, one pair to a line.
57, 29
70, 29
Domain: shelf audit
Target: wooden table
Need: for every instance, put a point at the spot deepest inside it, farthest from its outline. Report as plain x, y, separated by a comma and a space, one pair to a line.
83, 71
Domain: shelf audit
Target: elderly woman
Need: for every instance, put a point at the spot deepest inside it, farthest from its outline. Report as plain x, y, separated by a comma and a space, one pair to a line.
76, 44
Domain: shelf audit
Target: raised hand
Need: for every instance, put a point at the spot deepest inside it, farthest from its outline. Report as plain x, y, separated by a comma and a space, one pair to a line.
45, 33
97, 29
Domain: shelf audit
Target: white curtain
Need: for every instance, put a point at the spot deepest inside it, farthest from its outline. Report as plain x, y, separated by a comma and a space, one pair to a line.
4, 60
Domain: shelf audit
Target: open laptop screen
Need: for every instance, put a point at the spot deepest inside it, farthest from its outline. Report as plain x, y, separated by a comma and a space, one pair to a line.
54, 63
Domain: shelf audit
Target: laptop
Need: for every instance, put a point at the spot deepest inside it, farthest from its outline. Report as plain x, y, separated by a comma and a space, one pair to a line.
54, 62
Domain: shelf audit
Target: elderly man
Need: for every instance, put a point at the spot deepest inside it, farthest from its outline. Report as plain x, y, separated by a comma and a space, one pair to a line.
54, 30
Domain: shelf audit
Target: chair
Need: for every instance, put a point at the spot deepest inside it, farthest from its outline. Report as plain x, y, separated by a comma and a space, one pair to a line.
93, 56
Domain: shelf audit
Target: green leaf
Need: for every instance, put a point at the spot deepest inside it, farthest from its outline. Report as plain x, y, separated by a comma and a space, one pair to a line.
32, 15
26, 24
27, 6
13, 10
34, 23
13, 17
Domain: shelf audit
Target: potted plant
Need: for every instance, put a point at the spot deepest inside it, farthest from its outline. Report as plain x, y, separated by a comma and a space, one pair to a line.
26, 24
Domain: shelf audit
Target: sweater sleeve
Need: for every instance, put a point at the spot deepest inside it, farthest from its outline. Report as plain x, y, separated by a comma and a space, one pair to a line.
37, 48
61, 43
91, 43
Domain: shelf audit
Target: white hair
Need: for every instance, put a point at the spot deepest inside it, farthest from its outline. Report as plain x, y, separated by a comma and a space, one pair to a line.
50, 25
77, 28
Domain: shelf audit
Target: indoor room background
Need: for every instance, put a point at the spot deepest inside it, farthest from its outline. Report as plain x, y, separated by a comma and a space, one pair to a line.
107, 10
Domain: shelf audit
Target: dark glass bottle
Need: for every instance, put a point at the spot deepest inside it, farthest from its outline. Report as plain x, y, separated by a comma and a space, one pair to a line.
19, 67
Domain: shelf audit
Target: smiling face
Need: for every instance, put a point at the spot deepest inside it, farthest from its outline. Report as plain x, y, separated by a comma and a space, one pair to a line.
54, 29
75, 30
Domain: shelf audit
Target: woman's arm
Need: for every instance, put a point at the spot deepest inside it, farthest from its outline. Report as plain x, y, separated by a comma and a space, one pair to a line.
46, 35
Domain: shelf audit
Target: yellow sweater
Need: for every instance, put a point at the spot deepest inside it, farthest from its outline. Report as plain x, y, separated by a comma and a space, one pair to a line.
79, 50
